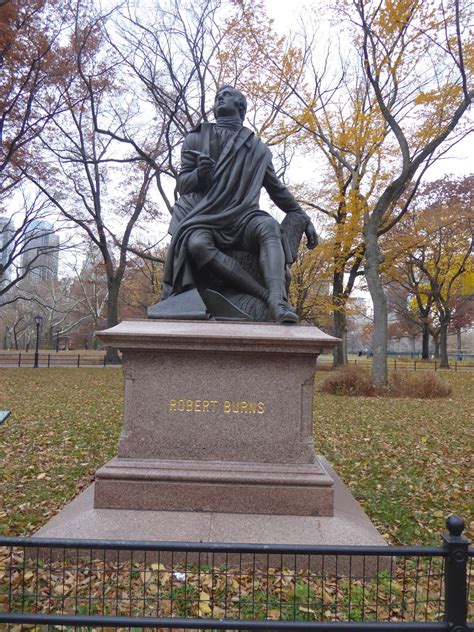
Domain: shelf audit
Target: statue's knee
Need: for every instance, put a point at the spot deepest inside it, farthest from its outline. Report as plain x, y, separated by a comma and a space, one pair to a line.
269, 228
202, 248
197, 244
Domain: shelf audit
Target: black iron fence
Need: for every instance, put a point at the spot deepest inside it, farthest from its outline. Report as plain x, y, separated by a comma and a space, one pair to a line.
95, 584
23, 359
52, 360
405, 364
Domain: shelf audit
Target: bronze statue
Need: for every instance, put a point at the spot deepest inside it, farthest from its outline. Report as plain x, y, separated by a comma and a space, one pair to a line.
223, 168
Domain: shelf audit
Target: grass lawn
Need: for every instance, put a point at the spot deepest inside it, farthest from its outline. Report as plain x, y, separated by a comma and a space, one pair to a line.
406, 461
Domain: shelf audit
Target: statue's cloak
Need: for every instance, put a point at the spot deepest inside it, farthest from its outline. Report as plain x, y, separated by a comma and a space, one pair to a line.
224, 205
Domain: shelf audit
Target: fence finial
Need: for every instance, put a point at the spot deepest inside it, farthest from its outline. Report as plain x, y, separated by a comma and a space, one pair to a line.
455, 525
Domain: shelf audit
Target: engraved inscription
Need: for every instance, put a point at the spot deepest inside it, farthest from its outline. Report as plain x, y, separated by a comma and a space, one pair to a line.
193, 405
240, 407
236, 407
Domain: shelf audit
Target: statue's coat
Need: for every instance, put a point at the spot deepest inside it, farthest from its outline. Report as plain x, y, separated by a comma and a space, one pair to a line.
225, 203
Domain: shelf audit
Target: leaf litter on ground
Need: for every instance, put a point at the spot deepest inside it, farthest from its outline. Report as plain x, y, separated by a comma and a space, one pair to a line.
408, 462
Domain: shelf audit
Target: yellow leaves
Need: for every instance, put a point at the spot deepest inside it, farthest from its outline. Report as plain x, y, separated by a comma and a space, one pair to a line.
440, 98
204, 607
395, 15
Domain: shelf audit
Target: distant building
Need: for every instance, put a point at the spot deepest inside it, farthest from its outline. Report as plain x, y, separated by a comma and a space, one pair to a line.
92, 261
41, 256
6, 234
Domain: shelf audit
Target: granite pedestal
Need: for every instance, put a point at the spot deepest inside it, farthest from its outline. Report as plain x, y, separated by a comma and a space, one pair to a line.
217, 418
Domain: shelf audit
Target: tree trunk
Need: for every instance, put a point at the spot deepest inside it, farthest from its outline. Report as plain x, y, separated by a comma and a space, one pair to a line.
435, 337
50, 337
443, 345
339, 320
458, 343
425, 342
111, 355
340, 331
379, 301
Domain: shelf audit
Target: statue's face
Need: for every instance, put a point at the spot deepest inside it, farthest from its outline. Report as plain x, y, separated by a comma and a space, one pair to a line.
226, 103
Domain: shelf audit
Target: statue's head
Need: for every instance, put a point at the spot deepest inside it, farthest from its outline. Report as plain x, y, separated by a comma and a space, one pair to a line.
229, 100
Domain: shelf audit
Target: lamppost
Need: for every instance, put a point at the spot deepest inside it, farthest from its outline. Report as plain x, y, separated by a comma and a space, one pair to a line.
38, 320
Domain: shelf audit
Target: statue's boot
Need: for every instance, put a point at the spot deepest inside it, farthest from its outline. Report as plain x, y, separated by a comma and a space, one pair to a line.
280, 309
227, 268
272, 262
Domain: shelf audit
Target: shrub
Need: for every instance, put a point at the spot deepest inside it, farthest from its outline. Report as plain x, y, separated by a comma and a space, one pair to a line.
349, 380
352, 380
421, 385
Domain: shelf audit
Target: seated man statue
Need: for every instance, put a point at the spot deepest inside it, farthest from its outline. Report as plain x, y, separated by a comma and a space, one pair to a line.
223, 168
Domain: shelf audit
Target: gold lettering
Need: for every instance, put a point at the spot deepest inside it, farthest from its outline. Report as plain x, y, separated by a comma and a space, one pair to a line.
235, 407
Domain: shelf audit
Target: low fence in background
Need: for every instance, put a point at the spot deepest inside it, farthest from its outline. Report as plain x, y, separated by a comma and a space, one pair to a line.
52, 359
237, 587
405, 364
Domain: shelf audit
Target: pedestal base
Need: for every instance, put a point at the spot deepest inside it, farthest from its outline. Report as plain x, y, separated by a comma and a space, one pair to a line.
348, 526
215, 486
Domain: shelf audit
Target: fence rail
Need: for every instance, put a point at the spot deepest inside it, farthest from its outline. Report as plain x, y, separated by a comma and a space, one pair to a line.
169, 585
52, 360
405, 364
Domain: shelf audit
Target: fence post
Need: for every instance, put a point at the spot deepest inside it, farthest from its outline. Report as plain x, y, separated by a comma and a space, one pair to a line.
49, 360
436, 365
19, 360
105, 359
414, 364
455, 575
78, 360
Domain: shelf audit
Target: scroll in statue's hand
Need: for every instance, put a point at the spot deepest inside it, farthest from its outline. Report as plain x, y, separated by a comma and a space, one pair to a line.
311, 236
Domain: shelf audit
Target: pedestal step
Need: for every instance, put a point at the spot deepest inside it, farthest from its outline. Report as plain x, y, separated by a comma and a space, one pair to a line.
216, 486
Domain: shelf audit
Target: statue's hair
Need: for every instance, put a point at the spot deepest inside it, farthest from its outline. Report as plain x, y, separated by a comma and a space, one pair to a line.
241, 100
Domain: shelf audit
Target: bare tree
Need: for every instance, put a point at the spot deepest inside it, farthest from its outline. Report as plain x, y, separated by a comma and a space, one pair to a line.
90, 179
29, 41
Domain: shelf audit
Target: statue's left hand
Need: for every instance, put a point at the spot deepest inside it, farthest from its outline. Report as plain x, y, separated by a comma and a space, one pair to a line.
311, 236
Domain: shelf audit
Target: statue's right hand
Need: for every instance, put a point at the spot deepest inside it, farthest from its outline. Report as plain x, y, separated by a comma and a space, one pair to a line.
205, 165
